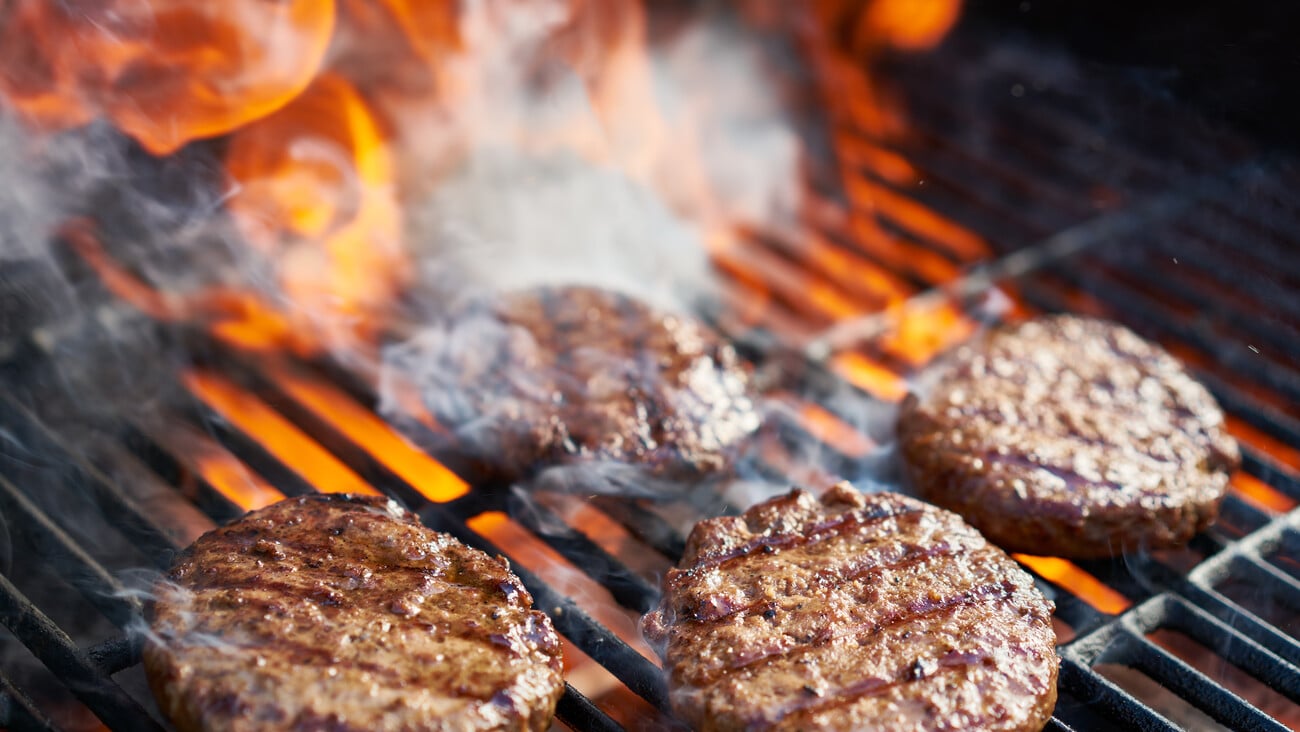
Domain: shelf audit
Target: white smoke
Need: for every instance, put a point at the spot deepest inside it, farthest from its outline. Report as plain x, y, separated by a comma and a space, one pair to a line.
508, 221
602, 166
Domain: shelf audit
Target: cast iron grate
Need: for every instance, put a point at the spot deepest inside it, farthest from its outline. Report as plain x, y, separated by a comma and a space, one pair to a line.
1191, 603
981, 177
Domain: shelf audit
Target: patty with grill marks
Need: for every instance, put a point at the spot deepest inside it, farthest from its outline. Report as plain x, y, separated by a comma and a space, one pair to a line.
853, 612
1068, 436
561, 376
344, 613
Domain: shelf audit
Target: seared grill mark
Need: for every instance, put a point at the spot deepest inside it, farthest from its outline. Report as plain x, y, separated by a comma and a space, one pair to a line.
313, 611
1070, 433
861, 631
849, 618
857, 692
814, 534
906, 557
554, 376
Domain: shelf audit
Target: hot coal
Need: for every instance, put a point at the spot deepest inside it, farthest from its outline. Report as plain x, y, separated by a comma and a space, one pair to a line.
853, 612
1069, 436
552, 378
343, 612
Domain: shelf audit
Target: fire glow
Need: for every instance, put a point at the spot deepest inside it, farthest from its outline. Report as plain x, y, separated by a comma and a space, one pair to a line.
331, 112
331, 117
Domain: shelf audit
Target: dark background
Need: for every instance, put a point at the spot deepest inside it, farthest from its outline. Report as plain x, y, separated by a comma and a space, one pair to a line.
1237, 62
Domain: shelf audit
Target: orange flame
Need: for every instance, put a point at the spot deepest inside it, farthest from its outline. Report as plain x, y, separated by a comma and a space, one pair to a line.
870, 376
426, 475
206, 457
316, 193
241, 318
1073, 578
906, 24
166, 72
430, 26
1261, 494
558, 573
279, 436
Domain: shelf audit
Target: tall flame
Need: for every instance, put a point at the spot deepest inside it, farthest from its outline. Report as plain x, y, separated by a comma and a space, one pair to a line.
165, 72
316, 195
337, 112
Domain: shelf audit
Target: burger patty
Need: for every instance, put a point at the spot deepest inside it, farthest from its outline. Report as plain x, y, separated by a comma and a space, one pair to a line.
344, 613
569, 375
1069, 436
853, 612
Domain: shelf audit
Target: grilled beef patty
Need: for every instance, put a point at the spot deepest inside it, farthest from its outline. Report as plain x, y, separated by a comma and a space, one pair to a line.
1068, 436
344, 613
578, 375
853, 612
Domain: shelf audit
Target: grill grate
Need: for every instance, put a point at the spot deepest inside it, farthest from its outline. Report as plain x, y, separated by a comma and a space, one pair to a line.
1108, 194
1191, 605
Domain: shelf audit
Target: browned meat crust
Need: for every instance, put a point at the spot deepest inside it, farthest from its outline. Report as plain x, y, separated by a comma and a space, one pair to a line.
849, 613
344, 613
569, 375
1068, 436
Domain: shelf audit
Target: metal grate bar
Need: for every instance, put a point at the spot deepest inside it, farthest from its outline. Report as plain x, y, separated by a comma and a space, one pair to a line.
1190, 684
249, 451
1064, 150
36, 440
641, 676
18, 713
1272, 333
51, 545
1145, 312
148, 444
579, 712
1201, 244
795, 439
1269, 420
1256, 232
1109, 698
597, 641
986, 195
1070, 609
1263, 574
1265, 418
1119, 574
647, 526
1241, 514
1243, 622
117, 653
1230, 644
1263, 468
73, 667
628, 588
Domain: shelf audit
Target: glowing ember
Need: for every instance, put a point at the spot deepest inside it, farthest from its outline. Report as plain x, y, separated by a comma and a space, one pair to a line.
1261, 494
229, 477
917, 334
322, 175
1260, 440
558, 573
281, 438
1073, 578
422, 472
870, 376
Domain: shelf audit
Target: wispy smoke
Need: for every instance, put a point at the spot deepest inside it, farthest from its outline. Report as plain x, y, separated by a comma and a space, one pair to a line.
507, 221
